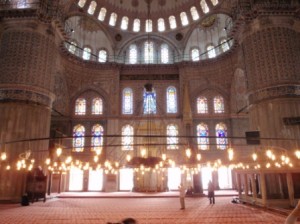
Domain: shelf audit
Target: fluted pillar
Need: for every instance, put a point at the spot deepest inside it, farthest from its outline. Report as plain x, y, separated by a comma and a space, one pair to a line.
271, 56
27, 62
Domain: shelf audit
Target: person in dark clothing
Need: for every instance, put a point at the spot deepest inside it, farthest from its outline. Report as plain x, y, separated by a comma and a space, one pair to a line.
211, 192
129, 221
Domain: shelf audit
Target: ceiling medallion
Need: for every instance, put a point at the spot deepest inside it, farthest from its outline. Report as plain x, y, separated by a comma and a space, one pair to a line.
208, 21
118, 37
179, 36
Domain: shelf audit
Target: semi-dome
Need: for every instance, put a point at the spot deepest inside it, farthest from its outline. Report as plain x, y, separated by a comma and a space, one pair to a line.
115, 31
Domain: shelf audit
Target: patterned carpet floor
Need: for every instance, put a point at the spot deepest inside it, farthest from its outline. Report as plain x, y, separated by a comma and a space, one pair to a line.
163, 210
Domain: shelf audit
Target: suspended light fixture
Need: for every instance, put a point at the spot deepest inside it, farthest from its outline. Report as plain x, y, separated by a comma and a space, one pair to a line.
254, 156
230, 154
3, 156
188, 152
58, 152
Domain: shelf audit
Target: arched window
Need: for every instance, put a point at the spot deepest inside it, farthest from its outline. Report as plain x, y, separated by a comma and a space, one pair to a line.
161, 25
78, 138
202, 105
224, 45
184, 19
102, 14
124, 23
21, 4
133, 54
97, 106
149, 52
127, 137
136, 25
113, 19
214, 2
86, 55
148, 25
221, 136
102, 57
97, 138
194, 13
172, 21
127, 107
80, 106
171, 100
204, 6
219, 105
172, 137
195, 54
164, 53
149, 102
211, 51
92, 7
72, 47
202, 136
81, 3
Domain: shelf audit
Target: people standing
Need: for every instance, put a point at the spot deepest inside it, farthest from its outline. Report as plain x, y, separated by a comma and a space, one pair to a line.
211, 192
182, 196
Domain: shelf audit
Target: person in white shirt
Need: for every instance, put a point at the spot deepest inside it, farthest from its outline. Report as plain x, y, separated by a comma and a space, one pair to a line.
182, 196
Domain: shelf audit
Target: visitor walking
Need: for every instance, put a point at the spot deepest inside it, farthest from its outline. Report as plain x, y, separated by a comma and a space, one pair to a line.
211, 192
182, 196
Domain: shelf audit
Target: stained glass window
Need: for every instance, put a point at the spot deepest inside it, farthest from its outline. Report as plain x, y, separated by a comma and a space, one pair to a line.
219, 105
22, 4
133, 54
221, 134
81, 3
72, 47
149, 52
136, 25
78, 138
127, 101
202, 105
97, 106
194, 13
172, 21
102, 57
92, 7
224, 45
86, 53
164, 53
80, 106
127, 137
97, 138
113, 19
204, 6
211, 51
150, 102
184, 19
148, 25
124, 23
102, 14
195, 54
161, 25
202, 136
172, 136
171, 100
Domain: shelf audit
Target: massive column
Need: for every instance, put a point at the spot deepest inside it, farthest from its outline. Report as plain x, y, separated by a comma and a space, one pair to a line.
27, 63
271, 57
